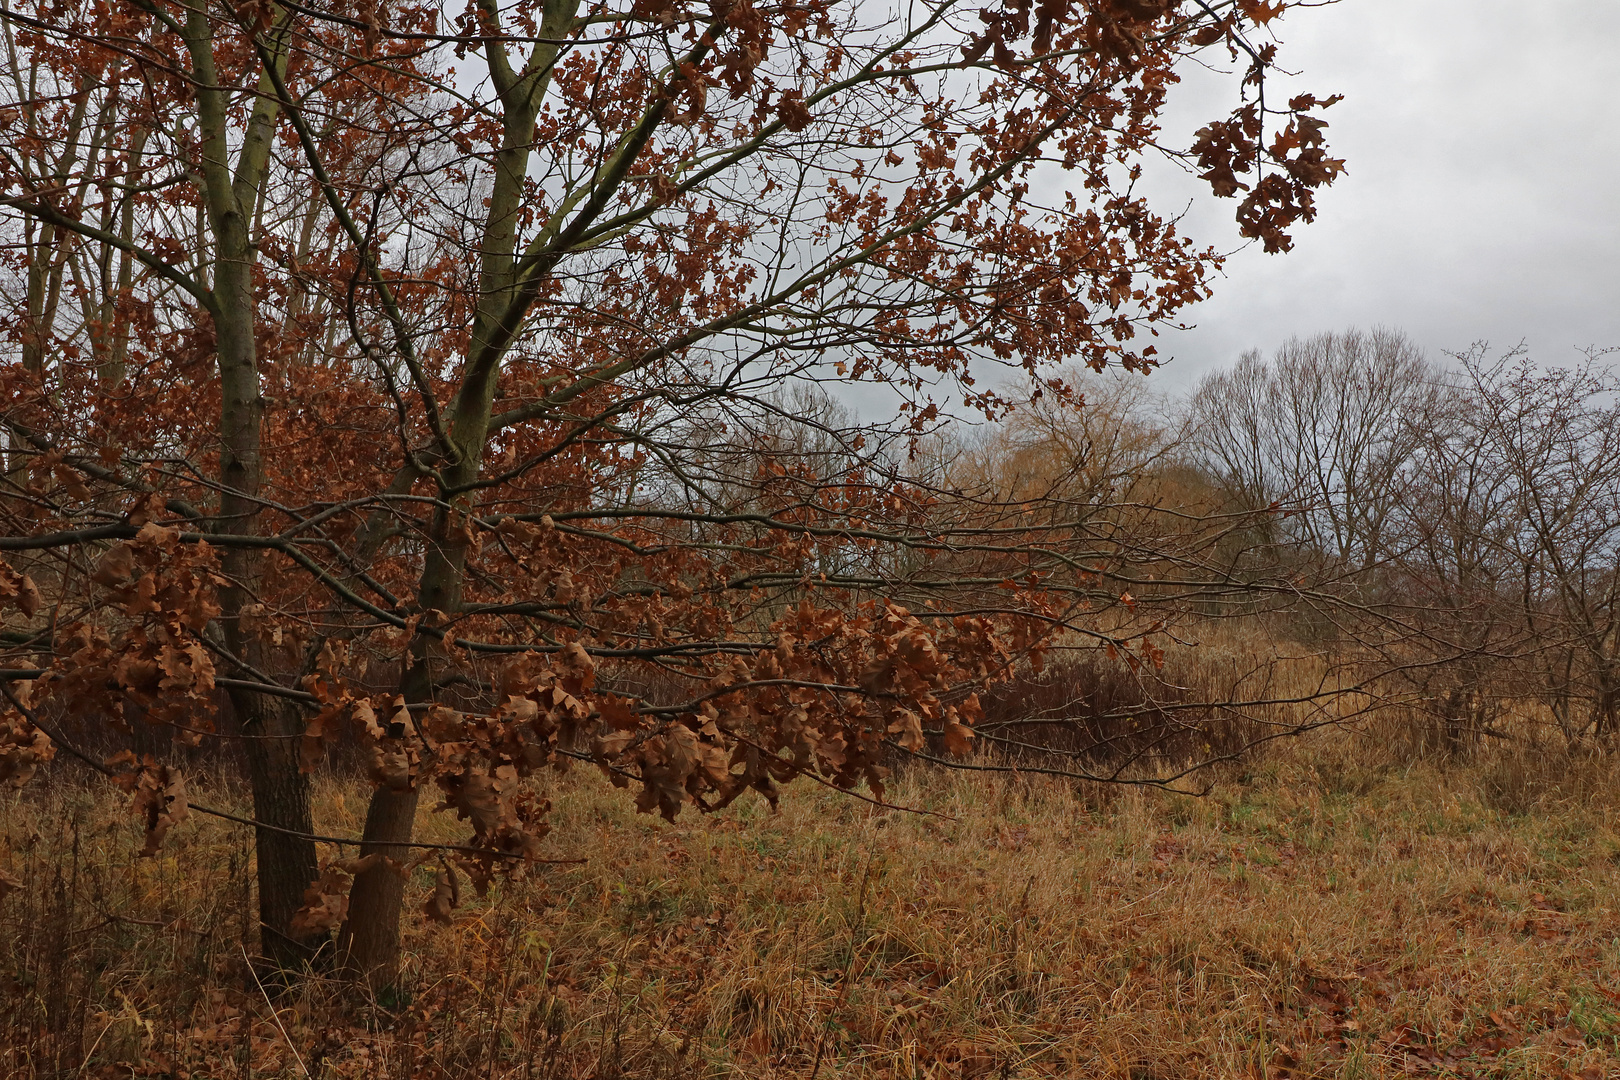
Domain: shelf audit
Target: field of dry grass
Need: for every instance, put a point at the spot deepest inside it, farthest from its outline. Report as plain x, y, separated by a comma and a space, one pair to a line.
1331, 913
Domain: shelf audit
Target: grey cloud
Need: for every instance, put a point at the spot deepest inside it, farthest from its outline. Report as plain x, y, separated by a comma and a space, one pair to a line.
1483, 194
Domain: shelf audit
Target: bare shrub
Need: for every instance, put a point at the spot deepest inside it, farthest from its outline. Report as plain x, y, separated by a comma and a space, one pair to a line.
1090, 709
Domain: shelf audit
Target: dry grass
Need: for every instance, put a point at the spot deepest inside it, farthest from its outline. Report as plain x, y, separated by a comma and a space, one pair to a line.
1334, 914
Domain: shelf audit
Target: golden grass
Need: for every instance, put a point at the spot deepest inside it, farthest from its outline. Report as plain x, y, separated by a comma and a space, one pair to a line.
1332, 914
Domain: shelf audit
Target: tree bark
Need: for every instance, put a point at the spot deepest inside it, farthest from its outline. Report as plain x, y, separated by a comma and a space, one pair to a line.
286, 862
286, 853
369, 941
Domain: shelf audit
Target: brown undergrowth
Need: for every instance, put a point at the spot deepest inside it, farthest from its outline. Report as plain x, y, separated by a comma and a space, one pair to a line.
1332, 913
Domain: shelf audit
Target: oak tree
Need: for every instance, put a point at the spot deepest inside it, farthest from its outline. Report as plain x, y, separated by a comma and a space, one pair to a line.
419, 371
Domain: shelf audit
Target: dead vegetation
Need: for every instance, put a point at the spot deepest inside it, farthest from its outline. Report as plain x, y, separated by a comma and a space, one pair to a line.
1339, 910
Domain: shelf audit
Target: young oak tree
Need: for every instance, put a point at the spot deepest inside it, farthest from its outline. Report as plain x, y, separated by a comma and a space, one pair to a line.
374, 364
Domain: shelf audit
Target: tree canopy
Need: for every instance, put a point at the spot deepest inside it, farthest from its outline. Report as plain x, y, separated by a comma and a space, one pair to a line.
429, 374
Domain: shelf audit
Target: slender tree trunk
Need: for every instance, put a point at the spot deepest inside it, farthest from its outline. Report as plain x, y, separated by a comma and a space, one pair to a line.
115, 328
369, 940
286, 854
286, 862
1604, 707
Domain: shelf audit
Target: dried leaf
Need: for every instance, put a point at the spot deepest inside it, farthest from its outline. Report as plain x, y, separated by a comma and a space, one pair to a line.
391, 769
446, 896
115, 567
958, 738
28, 597
23, 748
326, 904
160, 796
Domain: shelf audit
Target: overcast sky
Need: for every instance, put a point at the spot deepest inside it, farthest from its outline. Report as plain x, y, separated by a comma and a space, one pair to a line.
1482, 199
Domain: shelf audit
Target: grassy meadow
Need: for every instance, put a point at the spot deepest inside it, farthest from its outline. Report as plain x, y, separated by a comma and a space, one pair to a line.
1331, 911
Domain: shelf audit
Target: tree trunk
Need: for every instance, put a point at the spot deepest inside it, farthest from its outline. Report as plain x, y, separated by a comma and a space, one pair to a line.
1605, 707
369, 941
286, 863
286, 856
286, 853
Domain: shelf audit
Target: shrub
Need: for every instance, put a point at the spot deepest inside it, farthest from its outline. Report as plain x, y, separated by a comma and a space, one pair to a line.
1099, 712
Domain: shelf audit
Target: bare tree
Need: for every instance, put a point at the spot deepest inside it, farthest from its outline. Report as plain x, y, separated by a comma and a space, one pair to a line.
1553, 437
1321, 429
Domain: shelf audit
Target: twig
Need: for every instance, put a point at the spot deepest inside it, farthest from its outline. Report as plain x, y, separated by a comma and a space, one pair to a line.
274, 1015
58, 739
354, 841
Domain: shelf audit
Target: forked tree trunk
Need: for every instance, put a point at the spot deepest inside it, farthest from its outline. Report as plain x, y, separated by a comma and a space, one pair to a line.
369, 940
370, 937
